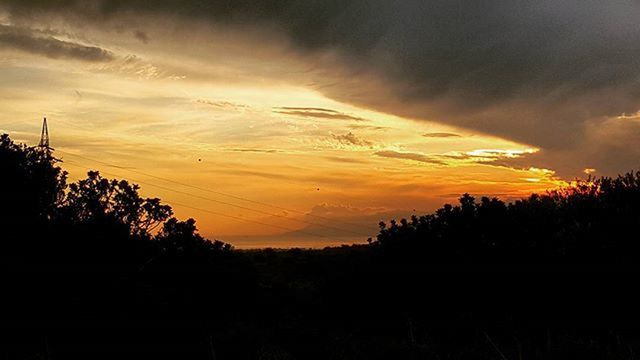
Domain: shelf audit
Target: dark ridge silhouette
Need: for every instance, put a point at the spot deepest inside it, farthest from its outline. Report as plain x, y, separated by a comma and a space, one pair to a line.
92, 270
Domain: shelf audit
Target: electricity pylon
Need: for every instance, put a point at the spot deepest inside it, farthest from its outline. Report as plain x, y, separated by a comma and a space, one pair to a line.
44, 136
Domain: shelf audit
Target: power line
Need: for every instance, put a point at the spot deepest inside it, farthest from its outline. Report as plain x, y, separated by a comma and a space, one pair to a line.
253, 221
189, 144
204, 189
241, 207
13, 123
226, 215
250, 209
210, 191
224, 194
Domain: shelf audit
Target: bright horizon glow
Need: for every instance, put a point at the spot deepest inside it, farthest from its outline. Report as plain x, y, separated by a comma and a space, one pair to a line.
251, 124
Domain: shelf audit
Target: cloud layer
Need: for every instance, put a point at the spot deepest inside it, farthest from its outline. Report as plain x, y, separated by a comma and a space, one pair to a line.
28, 41
552, 74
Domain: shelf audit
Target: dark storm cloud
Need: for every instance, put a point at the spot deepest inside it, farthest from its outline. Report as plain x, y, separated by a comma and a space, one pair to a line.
25, 40
542, 72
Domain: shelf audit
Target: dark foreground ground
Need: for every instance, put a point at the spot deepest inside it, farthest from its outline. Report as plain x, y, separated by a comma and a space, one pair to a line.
342, 303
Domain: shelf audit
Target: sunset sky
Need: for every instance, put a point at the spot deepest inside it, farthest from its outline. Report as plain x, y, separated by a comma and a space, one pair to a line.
304, 123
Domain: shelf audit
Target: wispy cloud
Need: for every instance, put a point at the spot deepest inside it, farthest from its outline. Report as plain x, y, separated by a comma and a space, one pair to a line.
142, 36
223, 105
488, 155
480, 156
500, 154
410, 156
319, 113
345, 160
32, 42
351, 139
135, 66
251, 150
367, 127
440, 135
633, 116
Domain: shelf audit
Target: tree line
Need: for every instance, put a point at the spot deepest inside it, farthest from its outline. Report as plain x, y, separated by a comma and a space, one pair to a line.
94, 219
591, 221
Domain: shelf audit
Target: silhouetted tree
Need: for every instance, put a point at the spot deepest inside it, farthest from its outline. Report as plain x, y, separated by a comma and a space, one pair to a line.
31, 191
180, 240
31, 185
92, 220
96, 200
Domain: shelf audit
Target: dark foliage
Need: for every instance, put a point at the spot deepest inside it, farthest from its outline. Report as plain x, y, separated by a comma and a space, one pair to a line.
94, 254
94, 270
95, 217
592, 221
99, 201
32, 189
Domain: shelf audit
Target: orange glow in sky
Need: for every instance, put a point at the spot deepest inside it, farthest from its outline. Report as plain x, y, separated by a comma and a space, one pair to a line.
241, 137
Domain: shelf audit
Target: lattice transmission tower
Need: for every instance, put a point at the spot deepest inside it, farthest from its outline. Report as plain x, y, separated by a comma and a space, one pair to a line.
44, 136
